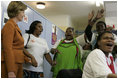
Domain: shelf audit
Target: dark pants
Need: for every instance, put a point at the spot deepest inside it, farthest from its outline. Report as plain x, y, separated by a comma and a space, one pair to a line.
32, 74
69, 73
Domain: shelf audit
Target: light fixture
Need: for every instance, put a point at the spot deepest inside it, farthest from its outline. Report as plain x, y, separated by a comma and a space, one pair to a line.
98, 3
40, 5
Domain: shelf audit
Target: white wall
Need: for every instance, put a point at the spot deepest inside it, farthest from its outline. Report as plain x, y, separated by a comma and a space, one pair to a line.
111, 13
62, 21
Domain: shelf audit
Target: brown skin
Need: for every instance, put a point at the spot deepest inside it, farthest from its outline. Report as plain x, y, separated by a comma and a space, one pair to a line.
98, 16
33, 61
112, 76
49, 59
54, 51
38, 30
87, 46
37, 33
100, 27
92, 20
106, 43
69, 36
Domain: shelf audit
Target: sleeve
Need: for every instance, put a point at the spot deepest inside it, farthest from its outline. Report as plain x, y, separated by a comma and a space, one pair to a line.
115, 65
56, 44
25, 36
80, 39
88, 32
99, 65
81, 50
115, 37
8, 38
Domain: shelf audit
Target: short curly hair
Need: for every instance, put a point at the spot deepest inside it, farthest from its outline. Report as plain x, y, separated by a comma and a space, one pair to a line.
15, 7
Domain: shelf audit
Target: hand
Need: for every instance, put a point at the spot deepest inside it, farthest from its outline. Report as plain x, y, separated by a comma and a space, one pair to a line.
102, 10
54, 51
100, 14
57, 51
90, 15
11, 75
34, 62
53, 63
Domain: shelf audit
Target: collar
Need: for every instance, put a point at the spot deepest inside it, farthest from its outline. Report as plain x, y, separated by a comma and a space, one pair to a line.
67, 41
13, 22
15, 25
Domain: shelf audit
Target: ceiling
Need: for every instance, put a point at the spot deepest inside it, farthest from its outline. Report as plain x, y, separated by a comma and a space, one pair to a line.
77, 10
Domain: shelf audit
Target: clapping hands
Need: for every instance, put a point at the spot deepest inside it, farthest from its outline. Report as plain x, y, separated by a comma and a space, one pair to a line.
53, 63
99, 15
54, 51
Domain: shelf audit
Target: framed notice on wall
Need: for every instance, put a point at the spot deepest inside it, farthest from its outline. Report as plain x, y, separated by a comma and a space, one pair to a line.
54, 34
25, 19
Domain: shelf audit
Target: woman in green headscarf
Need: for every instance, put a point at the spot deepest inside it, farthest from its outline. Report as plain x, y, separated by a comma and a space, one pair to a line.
67, 53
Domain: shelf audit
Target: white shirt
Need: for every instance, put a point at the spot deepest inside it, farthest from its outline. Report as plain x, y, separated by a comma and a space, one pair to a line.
96, 65
37, 47
81, 39
115, 37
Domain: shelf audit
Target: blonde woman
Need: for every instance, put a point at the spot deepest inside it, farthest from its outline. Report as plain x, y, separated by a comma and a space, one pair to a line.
12, 55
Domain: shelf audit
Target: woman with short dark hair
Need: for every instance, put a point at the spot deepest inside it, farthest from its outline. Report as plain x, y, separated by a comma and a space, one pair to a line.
99, 63
67, 54
38, 47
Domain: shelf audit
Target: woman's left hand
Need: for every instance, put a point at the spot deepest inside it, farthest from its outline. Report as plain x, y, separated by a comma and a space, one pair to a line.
34, 62
53, 63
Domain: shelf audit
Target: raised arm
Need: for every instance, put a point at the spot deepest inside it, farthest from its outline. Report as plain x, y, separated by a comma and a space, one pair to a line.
92, 21
98, 16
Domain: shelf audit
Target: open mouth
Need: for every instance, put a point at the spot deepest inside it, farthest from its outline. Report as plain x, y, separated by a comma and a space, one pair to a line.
68, 35
109, 44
